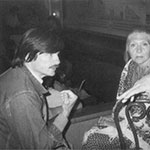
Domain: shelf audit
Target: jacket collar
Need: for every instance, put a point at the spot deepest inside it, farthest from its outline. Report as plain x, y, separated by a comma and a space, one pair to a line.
37, 85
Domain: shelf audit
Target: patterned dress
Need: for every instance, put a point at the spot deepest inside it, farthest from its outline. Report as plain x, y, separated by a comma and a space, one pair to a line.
104, 135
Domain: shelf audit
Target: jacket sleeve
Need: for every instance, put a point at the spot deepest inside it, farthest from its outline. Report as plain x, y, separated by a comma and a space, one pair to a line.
29, 126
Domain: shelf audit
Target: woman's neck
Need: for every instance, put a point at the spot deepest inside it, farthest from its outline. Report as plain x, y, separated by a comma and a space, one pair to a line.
145, 64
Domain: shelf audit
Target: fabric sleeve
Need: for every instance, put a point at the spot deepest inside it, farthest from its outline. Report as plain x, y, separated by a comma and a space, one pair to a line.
29, 125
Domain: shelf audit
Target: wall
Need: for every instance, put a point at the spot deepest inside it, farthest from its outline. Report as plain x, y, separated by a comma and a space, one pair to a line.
116, 17
38, 7
56, 9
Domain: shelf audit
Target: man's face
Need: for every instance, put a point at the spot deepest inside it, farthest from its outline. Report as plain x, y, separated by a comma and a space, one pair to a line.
45, 64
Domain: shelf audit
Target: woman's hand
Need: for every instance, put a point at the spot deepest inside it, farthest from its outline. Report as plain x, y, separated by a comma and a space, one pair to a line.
141, 86
69, 99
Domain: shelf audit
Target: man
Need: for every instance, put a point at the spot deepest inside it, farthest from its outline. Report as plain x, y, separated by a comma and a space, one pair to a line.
24, 114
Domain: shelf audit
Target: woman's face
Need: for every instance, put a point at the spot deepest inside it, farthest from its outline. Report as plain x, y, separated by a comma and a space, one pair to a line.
139, 48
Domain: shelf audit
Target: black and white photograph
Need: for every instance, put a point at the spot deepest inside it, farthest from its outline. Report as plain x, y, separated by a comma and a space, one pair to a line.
74, 74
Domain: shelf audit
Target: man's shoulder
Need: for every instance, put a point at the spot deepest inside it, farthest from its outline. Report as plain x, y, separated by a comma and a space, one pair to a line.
11, 76
13, 81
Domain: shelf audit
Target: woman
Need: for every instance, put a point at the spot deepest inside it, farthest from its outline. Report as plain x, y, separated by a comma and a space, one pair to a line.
105, 135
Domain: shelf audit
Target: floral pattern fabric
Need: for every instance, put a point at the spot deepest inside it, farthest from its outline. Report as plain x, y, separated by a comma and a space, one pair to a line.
105, 129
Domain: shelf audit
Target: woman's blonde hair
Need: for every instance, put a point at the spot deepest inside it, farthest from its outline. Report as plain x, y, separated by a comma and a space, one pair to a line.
131, 36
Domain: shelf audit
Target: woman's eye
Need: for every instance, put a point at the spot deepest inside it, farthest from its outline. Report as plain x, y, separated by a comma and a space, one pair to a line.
145, 44
132, 45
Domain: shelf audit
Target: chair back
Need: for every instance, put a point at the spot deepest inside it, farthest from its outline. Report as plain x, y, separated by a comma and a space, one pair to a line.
144, 111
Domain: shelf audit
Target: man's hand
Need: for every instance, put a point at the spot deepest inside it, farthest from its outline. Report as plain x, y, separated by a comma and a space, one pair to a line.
69, 99
141, 86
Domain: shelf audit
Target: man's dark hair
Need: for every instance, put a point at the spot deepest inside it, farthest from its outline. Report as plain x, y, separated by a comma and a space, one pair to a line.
36, 40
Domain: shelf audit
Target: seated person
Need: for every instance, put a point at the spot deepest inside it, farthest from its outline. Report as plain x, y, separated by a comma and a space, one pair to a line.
26, 120
104, 135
